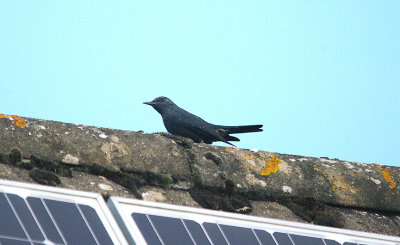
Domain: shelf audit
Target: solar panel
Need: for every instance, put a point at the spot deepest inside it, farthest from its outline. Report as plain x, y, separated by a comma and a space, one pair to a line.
36, 214
157, 223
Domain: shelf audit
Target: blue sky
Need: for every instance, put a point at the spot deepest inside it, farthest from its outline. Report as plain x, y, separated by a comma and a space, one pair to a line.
322, 76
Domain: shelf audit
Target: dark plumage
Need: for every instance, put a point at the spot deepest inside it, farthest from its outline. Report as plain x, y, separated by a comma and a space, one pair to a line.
180, 122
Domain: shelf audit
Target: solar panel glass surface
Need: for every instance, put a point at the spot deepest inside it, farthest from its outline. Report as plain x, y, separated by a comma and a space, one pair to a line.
157, 223
33, 214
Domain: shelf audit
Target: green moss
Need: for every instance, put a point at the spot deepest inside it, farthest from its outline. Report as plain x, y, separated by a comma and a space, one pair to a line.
229, 186
163, 181
313, 211
15, 156
45, 177
214, 199
213, 157
55, 167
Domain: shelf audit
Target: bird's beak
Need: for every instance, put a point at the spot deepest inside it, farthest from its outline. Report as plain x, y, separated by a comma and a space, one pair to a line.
148, 103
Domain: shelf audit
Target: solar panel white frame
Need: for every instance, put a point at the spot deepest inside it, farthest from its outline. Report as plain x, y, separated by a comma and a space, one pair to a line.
122, 208
93, 200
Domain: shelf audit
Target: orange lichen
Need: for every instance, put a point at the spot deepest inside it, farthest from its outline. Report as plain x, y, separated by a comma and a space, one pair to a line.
16, 119
271, 162
271, 165
230, 149
386, 175
338, 183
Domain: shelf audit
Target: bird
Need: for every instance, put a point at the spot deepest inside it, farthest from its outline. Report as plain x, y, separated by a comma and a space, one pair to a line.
177, 121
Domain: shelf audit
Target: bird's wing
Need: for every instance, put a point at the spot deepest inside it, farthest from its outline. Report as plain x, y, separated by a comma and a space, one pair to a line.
207, 133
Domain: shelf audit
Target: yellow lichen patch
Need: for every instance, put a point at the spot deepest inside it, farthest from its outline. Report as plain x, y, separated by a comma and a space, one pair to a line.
338, 183
230, 149
16, 119
271, 165
270, 162
386, 175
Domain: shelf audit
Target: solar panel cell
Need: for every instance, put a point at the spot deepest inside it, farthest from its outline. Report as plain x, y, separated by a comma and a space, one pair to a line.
26, 217
171, 230
9, 224
306, 240
70, 222
96, 225
214, 233
331, 242
45, 220
264, 237
282, 238
197, 232
146, 228
239, 235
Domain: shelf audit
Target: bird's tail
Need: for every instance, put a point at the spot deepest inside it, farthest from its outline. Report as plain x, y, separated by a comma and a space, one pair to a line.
241, 129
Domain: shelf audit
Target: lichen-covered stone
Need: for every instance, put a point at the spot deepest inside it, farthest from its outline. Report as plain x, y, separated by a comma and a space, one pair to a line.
274, 210
167, 168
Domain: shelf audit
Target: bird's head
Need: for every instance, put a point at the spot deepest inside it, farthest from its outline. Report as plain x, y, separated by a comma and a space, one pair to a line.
160, 104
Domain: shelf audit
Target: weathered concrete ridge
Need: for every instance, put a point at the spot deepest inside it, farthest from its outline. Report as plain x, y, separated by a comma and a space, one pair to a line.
167, 168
